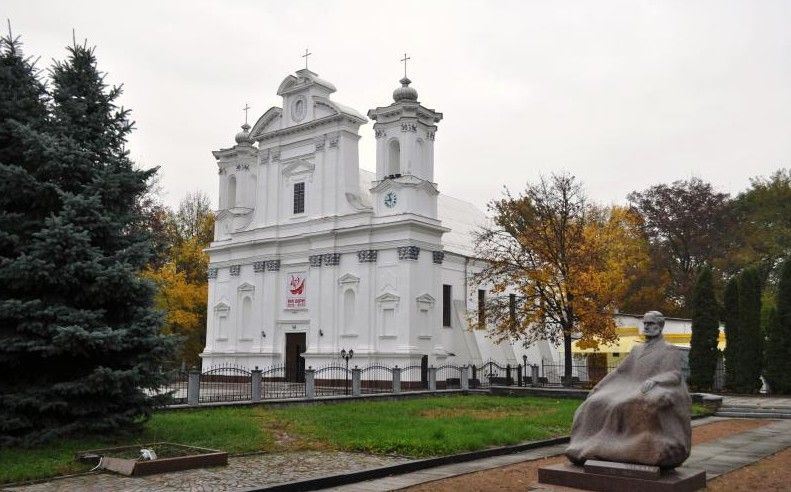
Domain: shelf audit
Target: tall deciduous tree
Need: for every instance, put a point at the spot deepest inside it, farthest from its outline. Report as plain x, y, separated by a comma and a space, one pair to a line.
749, 351
778, 343
81, 332
567, 262
763, 213
687, 223
182, 284
705, 332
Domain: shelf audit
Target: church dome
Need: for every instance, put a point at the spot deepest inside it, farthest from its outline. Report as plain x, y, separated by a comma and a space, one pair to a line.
243, 137
405, 93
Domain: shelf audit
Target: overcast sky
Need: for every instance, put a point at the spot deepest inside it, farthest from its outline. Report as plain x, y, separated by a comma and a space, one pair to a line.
622, 94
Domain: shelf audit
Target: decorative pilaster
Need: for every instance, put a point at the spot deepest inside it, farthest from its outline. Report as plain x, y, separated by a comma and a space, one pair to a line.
367, 256
319, 142
272, 265
258, 266
438, 257
212, 273
408, 252
235, 270
315, 260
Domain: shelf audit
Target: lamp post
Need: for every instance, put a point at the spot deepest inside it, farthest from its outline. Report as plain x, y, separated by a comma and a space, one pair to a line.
346, 356
524, 368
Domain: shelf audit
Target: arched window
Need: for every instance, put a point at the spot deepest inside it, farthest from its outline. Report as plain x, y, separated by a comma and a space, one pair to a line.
394, 158
247, 317
419, 158
231, 192
252, 192
348, 311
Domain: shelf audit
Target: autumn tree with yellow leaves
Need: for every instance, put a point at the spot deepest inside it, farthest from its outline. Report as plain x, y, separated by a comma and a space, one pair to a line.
557, 266
181, 275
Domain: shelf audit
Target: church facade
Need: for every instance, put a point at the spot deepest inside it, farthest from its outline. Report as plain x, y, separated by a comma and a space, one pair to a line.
313, 254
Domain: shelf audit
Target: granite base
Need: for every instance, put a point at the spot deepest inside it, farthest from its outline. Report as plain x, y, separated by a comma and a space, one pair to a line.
677, 480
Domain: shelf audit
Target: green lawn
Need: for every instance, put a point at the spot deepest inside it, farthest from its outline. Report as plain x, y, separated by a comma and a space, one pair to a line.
414, 427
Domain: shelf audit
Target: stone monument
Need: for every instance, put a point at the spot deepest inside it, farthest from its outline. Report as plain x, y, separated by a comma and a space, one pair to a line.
633, 431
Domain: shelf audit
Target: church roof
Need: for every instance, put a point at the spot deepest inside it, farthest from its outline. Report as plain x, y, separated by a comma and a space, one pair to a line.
461, 217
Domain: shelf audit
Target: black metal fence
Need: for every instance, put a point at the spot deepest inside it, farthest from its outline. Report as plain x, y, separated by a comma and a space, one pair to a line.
332, 380
414, 378
376, 378
582, 375
225, 383
176, 387
229, 383
278, 382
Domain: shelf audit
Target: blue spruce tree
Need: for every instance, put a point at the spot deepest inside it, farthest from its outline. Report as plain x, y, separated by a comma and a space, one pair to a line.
78, 322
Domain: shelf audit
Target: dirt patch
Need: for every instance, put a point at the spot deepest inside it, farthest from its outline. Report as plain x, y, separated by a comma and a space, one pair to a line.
772, 473
716, 430
483, 413
521, 476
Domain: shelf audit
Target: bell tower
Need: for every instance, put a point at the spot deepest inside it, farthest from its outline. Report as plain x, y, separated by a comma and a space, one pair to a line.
405, 155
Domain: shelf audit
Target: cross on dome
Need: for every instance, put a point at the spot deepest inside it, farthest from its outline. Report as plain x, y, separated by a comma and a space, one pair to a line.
404, 59
245, 109
305, 56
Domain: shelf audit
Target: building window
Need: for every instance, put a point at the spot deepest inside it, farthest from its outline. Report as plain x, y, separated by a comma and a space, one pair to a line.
299, 198
481, 309
231, 192
446, 305
394, 158
512, 307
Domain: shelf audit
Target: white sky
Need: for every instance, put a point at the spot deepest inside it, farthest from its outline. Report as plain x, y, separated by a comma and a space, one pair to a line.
622, 94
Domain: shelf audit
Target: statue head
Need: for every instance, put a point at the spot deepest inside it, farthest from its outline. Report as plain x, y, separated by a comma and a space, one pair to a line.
653, 323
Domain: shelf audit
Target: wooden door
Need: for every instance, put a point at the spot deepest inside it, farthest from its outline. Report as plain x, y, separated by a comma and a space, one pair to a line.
295, 364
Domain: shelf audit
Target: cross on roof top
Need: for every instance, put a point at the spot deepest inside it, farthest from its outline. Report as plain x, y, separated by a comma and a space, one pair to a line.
305, 56
404, 59
245, 108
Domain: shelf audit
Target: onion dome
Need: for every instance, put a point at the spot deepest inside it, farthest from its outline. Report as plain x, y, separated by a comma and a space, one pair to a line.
243, 137
405, 93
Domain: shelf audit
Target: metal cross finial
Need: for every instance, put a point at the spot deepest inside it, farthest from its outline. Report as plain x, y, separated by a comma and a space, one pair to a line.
305, 56
245, 108
404, 59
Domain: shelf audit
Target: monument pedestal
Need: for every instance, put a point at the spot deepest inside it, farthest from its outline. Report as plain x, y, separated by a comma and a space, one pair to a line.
605, 477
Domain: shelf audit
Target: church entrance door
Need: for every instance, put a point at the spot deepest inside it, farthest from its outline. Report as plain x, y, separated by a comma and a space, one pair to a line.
295, 364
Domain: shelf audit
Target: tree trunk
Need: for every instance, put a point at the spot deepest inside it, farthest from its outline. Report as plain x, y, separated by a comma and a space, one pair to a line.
567, 360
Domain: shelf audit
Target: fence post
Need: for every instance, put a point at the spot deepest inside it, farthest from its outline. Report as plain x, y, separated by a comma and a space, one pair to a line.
519, 375
508, 380
310, 383
432, 378
396, 379
255, 374
356, 384
465, 378
193, 387
534, 374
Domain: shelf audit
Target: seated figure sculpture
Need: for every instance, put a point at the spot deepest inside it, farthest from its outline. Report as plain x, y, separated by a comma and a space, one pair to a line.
640, 412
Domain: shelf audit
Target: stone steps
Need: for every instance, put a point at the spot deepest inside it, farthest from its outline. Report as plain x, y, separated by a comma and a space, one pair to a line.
754, 412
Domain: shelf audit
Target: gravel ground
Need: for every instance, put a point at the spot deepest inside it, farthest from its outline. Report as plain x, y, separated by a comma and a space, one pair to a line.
241, 472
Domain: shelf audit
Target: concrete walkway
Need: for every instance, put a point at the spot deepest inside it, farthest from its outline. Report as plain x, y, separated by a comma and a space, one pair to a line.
716, 457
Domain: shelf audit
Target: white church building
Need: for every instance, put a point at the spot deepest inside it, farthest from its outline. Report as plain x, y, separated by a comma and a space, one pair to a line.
312, 254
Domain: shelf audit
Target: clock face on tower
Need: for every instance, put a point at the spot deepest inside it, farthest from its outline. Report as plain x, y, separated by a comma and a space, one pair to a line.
391, 199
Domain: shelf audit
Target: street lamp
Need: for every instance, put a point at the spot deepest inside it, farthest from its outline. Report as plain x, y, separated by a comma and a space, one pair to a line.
346, 356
